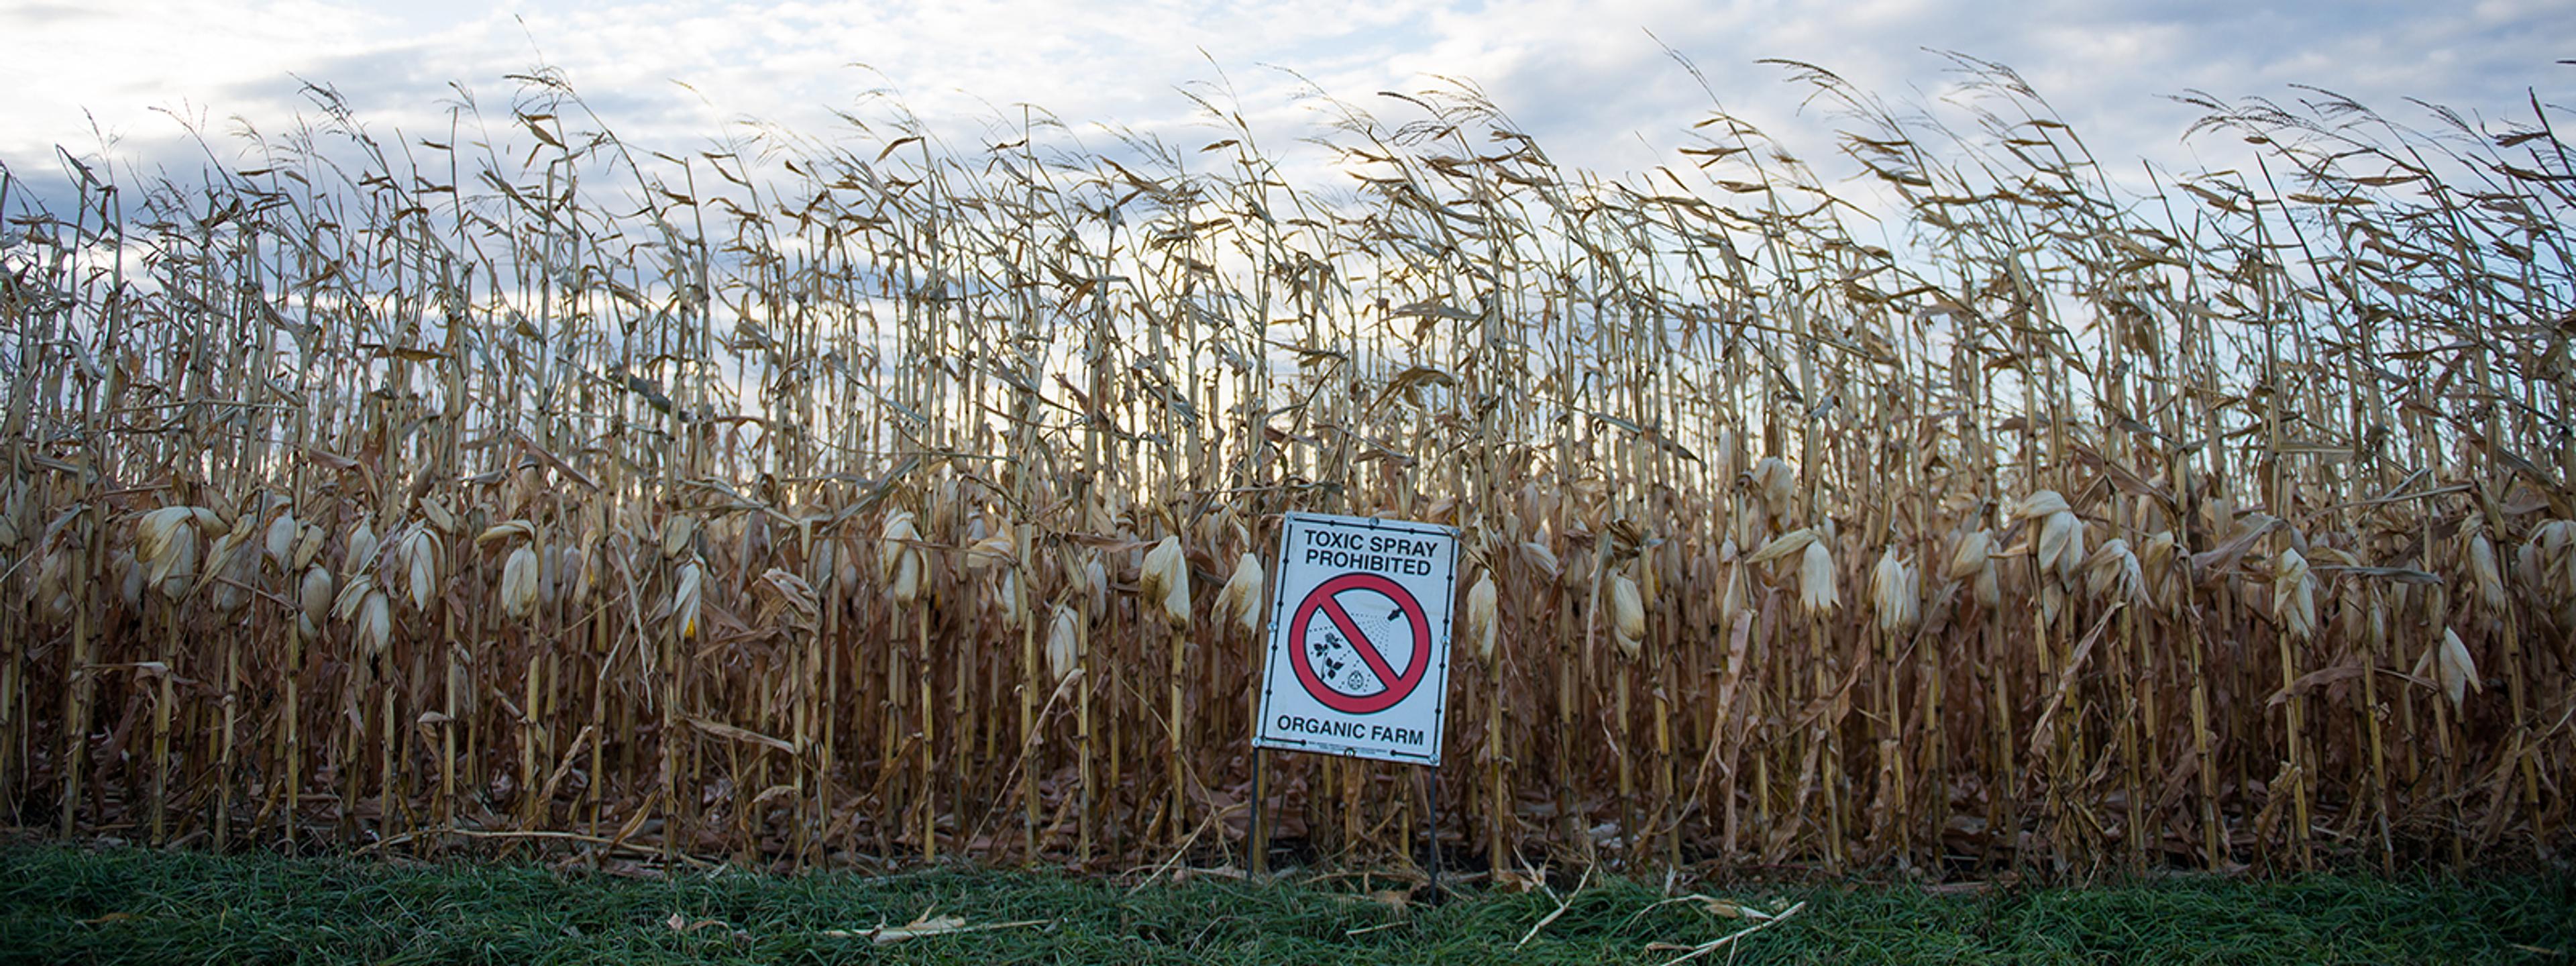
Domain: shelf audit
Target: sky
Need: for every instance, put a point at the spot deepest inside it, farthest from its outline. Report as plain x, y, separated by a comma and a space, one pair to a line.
1594, 83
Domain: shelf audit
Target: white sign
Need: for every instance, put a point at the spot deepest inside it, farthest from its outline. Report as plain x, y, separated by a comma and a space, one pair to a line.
1359, 638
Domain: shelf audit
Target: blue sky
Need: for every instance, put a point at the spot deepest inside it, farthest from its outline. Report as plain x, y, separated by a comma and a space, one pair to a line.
1588, 80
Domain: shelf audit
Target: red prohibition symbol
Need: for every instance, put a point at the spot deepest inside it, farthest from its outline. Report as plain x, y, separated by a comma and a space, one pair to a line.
1397, 685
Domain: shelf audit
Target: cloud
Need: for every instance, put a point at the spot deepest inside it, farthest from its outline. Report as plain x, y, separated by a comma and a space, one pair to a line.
1588, 80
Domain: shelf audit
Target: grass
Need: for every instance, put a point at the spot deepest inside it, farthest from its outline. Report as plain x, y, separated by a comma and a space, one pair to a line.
127, 905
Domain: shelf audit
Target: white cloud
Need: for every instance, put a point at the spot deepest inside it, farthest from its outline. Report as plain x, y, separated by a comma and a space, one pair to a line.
1585, 78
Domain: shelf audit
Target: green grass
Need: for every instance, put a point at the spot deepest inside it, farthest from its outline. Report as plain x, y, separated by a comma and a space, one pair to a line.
79, 905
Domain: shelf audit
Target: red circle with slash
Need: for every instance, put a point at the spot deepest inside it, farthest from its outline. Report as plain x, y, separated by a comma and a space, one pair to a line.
1398, 686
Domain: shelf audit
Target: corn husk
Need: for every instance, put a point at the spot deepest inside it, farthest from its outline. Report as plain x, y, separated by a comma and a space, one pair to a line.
375, 623
2061, 545
1542, 558
519, 583
54, 600
821, 568
1006, 599
1776, 483
894, 541
686, 589
2036, 505
1735, 591
997, 548
1165, 580
1628, 613
1478, 620
308, 547
898, 560
1063, 643
2294, 595
418, 556
129, 579
2113, 573
1782, 546
232, 567
2158, 563
677, 535
165, 544
1972, 554
313, 596
1892, 593
1241, 599
2449, 666
280, 540
361, 548
2485, 578
1816, 591
576, 576
504, 531
788, 599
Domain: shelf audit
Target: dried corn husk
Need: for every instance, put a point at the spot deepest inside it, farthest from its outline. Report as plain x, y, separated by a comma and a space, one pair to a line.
1542, 558
2113, 573
1628, 613
686, 590
129, 579
361, 550
2036, 505
418, 555
1972, 554
375, 623
1892, 593
519, 583
677, 534
54, 586
506, 530
232, 566
578, 576
1776, 483
1478, 622
1006, 597
313, 596
1782, 546
308, 547
997, 548
1816, 590
792, 600
898, 560
2061, 545
2294, 595
2158, 564
280, 540
165, 544
821, 570
1241, 599
2485, 578
2449, 665
1165, 580
906, 586
1095, 578
1735, 592
1064, 643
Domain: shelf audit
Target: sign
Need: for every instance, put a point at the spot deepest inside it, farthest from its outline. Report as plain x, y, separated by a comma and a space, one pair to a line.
1359, 638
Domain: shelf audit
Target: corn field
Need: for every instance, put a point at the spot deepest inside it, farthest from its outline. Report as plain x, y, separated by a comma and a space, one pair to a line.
877, 499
